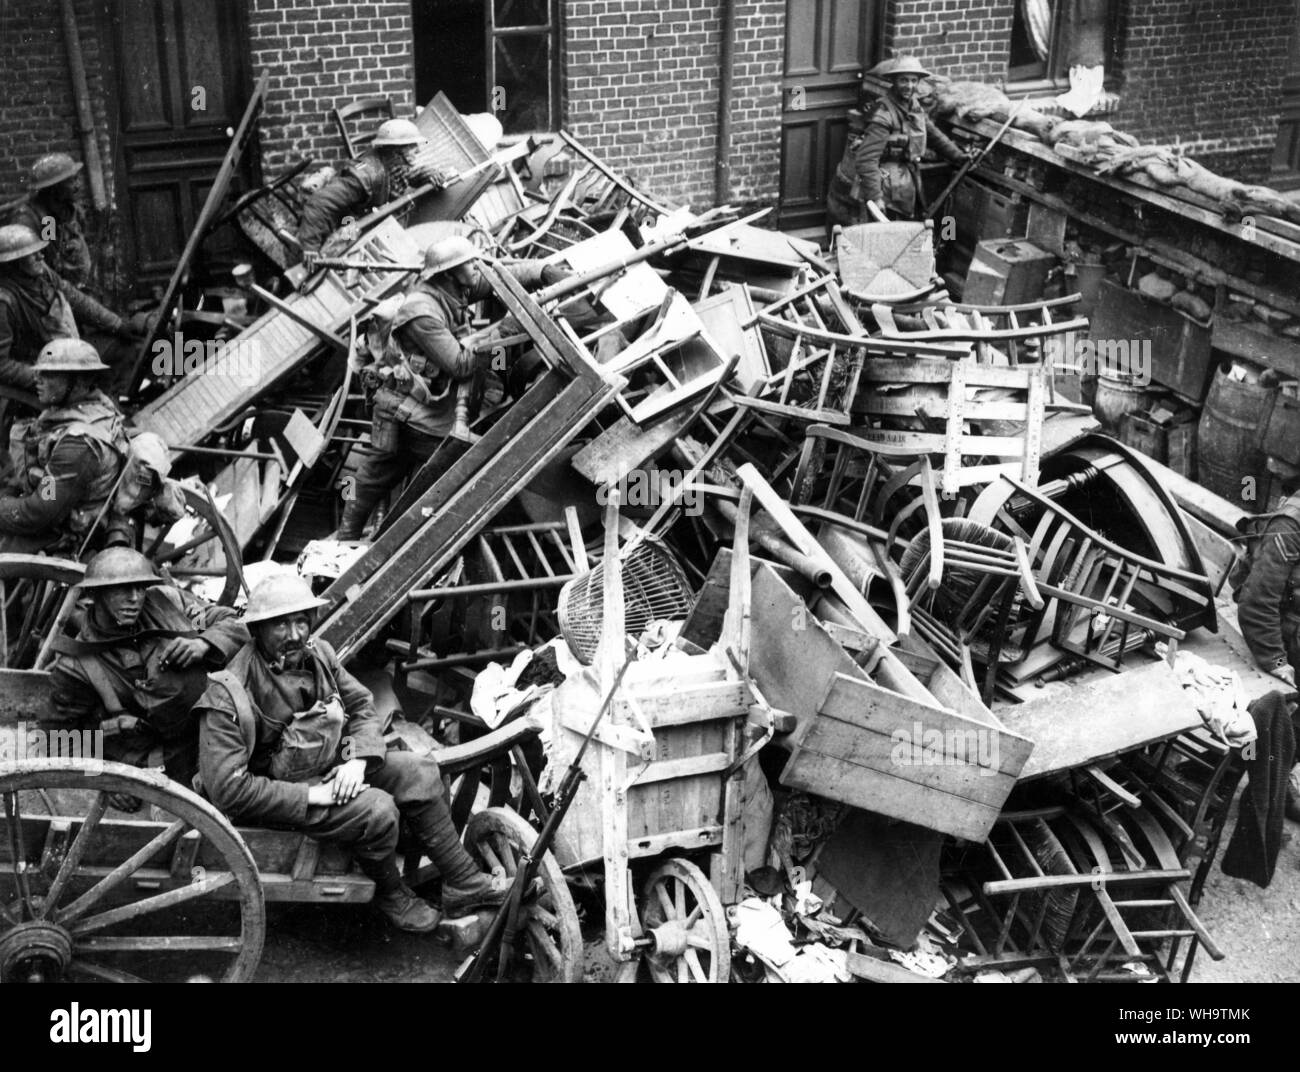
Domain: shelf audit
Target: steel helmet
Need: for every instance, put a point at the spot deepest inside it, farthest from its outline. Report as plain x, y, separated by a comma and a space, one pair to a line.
17, 240
119, 565
68, 355
52, 169
447, 253
281, 594
395, 133
900, 65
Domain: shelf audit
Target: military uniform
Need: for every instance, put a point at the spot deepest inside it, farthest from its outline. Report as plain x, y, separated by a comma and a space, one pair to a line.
114, 676
71, 457
33, 311
415, 404
68, 253
1268, 608
247, 771
362, 185
881, 162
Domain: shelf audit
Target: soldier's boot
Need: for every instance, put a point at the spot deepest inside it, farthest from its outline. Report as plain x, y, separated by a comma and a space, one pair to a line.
356, 512
464, 886
400, 906
407, 912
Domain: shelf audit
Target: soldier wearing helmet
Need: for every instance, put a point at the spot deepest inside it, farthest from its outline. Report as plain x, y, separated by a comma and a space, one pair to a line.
53, 209
138, 661
882, 155
429, 355
71, 455
381, 174
290, 738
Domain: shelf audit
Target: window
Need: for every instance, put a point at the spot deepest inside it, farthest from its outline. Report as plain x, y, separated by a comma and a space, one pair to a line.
499, 56
1048, 37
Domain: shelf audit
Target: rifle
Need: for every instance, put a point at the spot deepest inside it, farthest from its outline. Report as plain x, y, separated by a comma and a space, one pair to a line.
973, 162
505, 924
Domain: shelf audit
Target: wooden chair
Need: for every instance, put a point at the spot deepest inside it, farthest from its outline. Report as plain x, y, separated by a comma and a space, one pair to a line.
373, 111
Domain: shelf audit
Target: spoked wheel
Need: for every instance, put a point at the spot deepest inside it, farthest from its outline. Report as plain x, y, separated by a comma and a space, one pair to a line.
102, 899
687, 924
550, 939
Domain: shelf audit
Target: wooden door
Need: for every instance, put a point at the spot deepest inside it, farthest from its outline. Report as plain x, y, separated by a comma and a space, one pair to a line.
828, 46
181, 85
1286, 154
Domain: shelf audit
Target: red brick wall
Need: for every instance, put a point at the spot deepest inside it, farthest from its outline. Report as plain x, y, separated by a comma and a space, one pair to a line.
1206, 72
641, 90
321, 55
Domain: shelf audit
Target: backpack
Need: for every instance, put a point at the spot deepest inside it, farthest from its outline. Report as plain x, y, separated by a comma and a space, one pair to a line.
1252, 529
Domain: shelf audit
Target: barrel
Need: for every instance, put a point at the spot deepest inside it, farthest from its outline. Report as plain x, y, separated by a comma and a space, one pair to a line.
1230, 461
1118, 393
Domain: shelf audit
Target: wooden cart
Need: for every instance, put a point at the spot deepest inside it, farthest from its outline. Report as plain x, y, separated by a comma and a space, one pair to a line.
94, 893
663, 799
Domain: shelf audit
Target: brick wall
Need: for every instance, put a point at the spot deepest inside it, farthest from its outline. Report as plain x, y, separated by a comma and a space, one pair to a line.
960, 40
38, 112
641, 90
321, 55
1206, 72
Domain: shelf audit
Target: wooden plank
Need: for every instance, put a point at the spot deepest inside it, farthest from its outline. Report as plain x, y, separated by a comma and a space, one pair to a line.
680, 705
923, 370
698, 838
1095, 720
687, 767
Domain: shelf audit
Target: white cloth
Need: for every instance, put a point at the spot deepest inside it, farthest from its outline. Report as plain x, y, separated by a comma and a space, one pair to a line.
1218, 695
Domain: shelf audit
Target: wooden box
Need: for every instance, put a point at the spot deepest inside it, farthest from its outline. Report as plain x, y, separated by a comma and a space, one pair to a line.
1007, 272
1282, 434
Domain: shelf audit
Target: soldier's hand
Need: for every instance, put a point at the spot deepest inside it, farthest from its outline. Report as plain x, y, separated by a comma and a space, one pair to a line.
347, 779
322, 796
181, 652
555, 273
1285, 672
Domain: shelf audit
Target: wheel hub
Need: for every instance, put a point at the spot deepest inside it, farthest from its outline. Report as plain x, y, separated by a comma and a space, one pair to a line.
34, 952
669, 938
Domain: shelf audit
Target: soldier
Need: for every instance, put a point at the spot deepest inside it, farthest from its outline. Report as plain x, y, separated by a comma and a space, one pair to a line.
36, 305
882, 155
382, 174
428, 356
53, 210
289, 738
1268, 609
139, 661
71, 455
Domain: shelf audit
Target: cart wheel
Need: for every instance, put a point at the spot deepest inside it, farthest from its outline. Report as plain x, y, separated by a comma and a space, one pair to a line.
685, 919
59, 875
498, 837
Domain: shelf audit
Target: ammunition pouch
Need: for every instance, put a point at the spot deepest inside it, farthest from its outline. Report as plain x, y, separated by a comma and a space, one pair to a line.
384, 430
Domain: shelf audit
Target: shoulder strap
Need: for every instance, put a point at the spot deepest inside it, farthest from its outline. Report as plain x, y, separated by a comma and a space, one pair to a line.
243, 706
96, 673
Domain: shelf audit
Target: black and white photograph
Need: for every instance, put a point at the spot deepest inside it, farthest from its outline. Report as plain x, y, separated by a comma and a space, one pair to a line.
651, 491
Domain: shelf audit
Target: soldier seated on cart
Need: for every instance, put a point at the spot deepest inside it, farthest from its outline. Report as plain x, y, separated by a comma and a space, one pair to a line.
139, 661
290, 739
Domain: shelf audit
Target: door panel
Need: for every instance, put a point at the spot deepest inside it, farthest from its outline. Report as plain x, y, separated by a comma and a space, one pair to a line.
181, 84
828, 46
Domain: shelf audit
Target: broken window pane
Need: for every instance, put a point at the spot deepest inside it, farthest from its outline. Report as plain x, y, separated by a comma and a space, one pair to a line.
521, 97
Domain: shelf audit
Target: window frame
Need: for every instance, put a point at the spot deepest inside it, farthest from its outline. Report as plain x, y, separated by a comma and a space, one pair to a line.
552, 30
1057, 74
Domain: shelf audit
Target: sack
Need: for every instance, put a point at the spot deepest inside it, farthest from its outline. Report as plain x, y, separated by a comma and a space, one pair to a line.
1252, 529
310, 742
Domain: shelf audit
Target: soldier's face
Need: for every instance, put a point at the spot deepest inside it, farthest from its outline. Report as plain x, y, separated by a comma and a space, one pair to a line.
283, 641
121, 604
52, 387
67, 192
31, 264
906, 85
466, 274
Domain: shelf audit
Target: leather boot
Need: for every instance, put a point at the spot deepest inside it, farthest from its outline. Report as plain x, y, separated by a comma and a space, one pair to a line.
407, 912
464, 886
479, 890
355, 515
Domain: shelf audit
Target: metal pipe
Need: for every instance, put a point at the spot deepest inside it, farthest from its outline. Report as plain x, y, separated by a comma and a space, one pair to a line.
85, 118
488, 588
726, 91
